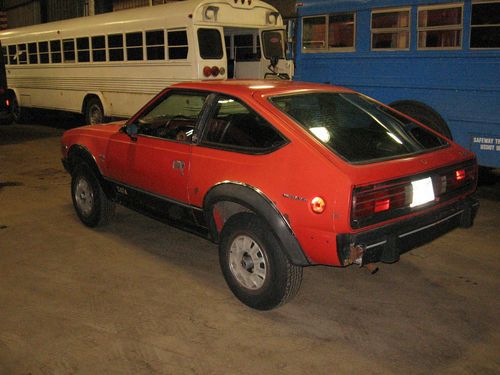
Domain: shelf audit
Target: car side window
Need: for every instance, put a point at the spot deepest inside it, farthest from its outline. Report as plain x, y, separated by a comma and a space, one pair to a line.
173, 117
233, 125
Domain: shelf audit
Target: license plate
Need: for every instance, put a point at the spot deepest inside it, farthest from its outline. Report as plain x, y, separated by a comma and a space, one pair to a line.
423, 192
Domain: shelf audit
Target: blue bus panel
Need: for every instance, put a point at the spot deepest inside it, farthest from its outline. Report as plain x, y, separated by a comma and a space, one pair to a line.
460, 84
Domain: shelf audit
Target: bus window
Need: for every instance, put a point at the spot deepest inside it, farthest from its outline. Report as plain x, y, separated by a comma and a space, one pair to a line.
12, 55
155, 45
69, 50
21, 54
314, 32
83, 48
32, 53
134, 46
341, 31
272, 42
177, 45
485, 25
115, 47
440, 26
55, 51
98, 48
210, 43
391, 29
43, 49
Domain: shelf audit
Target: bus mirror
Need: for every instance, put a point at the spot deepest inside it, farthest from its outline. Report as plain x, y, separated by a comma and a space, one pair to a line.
274, 61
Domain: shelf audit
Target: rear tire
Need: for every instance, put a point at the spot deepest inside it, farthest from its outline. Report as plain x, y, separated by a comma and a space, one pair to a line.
18, 113
424, 114
94, 113
254, 265
91, 204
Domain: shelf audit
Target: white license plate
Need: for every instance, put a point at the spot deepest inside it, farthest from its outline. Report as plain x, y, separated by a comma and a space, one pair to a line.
423, 192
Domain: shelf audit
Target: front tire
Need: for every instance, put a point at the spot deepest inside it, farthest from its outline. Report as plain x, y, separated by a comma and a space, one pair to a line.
91, 204
255, 267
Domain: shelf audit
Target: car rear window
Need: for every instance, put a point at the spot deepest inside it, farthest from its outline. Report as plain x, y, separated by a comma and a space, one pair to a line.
357, 128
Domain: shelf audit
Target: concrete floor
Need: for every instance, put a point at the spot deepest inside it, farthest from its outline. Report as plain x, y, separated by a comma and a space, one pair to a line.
140, 297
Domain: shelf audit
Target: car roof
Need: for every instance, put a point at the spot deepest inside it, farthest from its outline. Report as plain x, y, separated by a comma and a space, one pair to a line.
259, 87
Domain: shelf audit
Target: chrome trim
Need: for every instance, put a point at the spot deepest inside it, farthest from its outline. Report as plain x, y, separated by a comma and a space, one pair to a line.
431, 225
157, 196
375, 244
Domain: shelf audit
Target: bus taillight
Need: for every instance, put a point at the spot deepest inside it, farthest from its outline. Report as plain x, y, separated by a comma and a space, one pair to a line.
213, 71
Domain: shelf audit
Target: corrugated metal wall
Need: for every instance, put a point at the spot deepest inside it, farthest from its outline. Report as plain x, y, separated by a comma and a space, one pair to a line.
22, 13
64, 9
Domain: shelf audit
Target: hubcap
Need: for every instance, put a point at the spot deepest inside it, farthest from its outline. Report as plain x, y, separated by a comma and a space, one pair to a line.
247, 262
84, 196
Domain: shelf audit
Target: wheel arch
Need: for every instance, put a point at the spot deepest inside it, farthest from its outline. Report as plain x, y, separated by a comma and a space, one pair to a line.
229, 198
440, 122
96, 94
78, 153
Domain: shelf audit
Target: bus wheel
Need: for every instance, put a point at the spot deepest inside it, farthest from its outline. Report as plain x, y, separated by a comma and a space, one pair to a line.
94, 113
423, 113
18, 113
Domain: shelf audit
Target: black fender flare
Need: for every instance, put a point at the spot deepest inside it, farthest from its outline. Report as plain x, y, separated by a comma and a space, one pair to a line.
254, 200
79, 152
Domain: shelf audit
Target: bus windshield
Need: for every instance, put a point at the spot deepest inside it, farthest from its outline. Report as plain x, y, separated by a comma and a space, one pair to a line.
357, 128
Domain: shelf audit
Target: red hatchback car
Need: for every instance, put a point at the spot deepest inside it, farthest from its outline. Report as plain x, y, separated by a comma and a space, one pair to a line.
280, 174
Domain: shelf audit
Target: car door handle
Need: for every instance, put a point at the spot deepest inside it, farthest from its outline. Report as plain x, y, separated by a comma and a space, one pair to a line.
179, 164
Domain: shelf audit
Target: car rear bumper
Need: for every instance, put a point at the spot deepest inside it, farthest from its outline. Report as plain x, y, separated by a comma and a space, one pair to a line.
387, 243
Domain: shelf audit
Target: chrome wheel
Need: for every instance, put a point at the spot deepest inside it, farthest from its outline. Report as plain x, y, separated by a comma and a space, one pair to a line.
247, 262
84, 196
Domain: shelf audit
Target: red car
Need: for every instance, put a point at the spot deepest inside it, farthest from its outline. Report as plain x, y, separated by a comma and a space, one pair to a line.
280, 174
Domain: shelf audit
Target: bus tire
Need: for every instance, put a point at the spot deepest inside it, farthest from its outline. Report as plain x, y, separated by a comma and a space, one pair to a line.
94, 112
18, 113
424, 114
254, 265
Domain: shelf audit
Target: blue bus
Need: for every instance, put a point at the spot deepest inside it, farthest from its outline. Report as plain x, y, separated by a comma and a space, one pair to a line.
437, 61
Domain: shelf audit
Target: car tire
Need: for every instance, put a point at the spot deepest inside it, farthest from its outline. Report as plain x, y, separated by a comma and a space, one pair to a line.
91, 204
255, 267
94, 112
424, 114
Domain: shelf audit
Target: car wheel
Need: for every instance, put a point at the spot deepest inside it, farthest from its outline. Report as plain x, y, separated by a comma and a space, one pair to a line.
94, 113
92, 205
255, 267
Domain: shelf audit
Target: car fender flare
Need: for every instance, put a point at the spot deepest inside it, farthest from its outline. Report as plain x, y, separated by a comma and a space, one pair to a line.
81, 152
254, 200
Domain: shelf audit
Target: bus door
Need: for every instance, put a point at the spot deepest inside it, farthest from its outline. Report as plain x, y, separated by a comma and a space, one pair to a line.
243, 53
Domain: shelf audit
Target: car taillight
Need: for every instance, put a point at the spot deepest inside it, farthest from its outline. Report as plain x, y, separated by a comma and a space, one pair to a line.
370, 201
459, 174
376, 203
7, 102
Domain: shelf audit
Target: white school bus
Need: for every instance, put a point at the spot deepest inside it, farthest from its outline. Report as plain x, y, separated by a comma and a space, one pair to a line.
109, 65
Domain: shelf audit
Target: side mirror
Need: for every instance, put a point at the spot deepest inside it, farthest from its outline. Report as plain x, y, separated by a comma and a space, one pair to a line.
131, 130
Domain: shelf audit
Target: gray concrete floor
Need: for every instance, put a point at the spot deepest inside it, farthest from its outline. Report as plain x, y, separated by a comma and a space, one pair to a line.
139, 297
